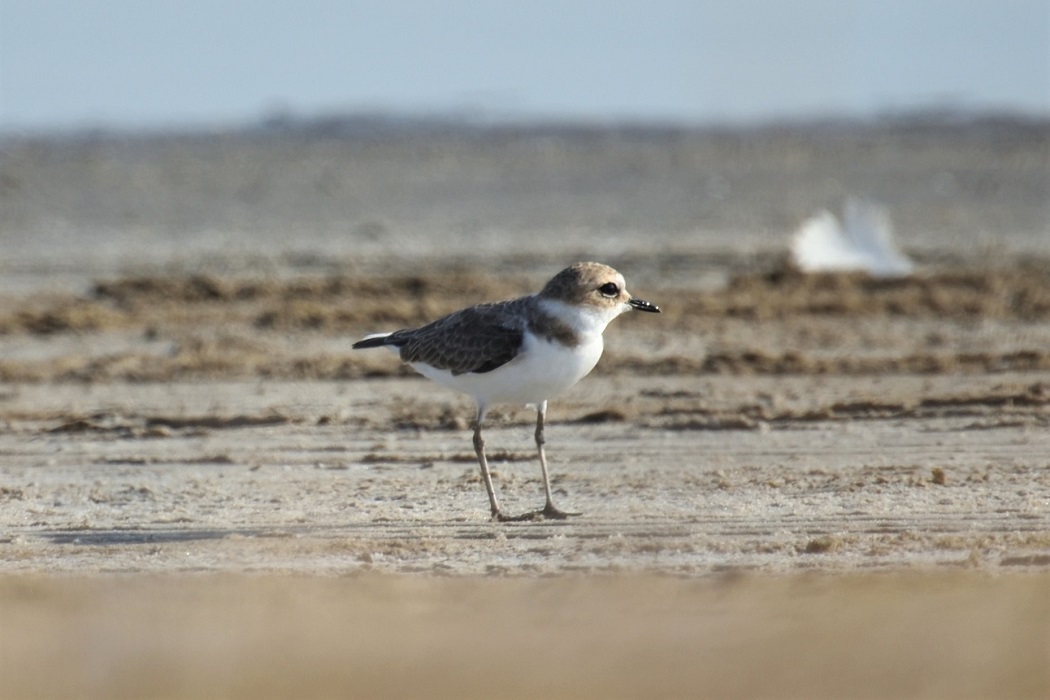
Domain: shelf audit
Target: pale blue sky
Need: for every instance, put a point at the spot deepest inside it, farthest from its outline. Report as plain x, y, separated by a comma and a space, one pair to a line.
141, 63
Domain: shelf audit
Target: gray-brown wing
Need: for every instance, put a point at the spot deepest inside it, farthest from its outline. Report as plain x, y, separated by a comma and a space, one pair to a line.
477, 339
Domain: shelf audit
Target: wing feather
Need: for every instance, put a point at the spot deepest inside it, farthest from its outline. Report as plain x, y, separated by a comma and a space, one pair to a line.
477, 339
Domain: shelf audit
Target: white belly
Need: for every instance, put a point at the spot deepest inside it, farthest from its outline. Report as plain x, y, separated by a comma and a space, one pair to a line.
543, 370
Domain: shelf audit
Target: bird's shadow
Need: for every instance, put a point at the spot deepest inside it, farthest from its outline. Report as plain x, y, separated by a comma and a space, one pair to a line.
458, 528
118, 537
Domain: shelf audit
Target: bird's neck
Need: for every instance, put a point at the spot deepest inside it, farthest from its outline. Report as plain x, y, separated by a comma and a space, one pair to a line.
585, 322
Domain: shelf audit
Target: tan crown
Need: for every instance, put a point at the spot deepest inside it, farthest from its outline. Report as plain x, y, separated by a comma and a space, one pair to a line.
585, 283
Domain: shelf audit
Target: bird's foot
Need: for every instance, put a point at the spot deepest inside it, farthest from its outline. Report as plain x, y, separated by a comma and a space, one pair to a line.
552, 513
549, 512
524, 517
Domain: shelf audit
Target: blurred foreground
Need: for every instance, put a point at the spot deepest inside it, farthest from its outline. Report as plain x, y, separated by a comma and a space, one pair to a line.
940, 636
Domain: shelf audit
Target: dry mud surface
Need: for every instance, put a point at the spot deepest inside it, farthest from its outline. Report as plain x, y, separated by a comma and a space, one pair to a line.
791, 486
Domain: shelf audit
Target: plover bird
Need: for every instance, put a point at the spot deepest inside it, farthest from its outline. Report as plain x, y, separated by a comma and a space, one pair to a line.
521, 351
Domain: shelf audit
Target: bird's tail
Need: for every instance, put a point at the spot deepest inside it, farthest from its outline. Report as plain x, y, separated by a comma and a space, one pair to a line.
376, 340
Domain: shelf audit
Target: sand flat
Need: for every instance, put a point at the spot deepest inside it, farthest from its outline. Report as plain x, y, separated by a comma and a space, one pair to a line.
792, 485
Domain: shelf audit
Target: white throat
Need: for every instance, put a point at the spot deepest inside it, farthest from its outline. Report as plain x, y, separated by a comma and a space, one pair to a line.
585, 320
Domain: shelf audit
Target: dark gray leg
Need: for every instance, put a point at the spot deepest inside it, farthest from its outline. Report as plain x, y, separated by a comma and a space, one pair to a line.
479, 450
549, 510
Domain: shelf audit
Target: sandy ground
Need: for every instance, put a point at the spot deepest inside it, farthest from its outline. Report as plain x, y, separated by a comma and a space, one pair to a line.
791, 486
379, 475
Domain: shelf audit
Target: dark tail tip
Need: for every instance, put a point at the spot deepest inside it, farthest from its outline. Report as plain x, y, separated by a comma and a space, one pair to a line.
372, 342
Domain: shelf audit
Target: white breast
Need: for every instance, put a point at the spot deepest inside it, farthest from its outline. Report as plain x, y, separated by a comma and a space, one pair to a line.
541, 371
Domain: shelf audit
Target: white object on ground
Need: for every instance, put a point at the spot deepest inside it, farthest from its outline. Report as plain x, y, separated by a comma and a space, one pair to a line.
865, 242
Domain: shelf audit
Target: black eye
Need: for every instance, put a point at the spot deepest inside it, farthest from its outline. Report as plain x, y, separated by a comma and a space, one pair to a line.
609, 289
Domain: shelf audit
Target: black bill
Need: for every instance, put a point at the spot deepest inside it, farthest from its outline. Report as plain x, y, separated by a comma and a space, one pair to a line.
643, 305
